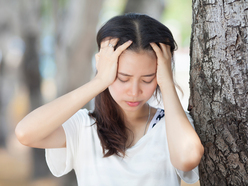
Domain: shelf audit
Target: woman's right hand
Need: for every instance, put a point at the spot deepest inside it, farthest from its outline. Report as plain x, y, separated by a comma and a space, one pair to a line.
107, 60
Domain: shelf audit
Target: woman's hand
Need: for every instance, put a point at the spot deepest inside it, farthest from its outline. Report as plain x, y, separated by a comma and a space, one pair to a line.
164, 71
107, 60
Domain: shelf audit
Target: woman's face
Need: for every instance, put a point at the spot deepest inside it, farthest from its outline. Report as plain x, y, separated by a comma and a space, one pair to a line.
136, 79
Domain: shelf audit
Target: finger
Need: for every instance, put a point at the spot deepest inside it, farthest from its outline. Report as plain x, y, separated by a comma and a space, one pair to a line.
157, 50
165, 49
123, 47
104, 43
114, 41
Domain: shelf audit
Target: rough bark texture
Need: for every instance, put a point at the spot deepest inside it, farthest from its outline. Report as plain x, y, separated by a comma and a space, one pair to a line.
219, 89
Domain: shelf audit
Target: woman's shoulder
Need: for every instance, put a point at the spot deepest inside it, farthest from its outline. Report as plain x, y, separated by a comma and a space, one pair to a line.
160, 113
82, 113
81, 117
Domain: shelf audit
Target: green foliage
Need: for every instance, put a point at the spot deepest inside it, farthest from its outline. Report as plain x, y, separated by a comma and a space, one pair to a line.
48, 7
179, 12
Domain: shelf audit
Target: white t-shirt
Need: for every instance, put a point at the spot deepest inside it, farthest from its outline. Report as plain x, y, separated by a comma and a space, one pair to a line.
147, 163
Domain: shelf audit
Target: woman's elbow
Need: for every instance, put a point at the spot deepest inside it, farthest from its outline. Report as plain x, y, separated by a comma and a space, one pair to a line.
192, 160
22, 136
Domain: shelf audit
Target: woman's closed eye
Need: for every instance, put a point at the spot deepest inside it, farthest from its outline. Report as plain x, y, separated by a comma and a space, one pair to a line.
122, 80
148, 81
145, 81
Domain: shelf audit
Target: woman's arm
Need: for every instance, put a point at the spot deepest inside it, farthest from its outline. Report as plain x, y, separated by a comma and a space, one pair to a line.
42, 128
184, 144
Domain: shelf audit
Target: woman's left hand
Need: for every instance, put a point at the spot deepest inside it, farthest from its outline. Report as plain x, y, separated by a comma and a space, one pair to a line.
164, 71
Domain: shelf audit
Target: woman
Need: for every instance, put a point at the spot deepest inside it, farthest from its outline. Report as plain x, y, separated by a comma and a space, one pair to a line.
124, 141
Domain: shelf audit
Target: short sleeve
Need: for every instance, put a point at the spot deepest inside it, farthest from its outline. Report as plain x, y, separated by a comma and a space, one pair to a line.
193, 175
190, 176
61, 160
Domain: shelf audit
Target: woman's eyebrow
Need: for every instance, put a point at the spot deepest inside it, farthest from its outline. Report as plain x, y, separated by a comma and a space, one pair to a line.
124, 74
149, 75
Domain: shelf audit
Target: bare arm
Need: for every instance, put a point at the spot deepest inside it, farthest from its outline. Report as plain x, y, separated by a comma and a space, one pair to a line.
35, 129
184, 144
42, 128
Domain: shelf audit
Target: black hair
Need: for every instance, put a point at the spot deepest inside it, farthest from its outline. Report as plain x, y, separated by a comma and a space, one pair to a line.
139, 28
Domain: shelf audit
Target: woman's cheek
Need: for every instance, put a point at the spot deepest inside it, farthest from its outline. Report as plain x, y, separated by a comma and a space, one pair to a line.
150, 89
116, 89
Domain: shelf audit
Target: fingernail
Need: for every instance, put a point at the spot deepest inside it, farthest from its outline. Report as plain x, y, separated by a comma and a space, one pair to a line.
130, 41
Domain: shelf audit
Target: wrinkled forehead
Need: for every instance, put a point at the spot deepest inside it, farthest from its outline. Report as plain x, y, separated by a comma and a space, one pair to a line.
142, 62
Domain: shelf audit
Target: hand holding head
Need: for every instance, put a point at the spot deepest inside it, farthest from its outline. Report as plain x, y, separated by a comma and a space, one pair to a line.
107, 59
164, 71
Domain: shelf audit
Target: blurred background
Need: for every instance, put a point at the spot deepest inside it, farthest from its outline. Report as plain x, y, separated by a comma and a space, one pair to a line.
46, 50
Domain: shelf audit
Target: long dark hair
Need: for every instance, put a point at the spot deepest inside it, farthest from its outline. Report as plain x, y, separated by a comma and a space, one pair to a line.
142, 30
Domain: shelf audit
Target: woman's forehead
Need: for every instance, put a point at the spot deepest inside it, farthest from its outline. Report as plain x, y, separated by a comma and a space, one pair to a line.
142, 62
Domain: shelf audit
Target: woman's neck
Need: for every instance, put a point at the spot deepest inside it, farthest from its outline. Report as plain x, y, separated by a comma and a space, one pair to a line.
137, 115
134, 119
138, 124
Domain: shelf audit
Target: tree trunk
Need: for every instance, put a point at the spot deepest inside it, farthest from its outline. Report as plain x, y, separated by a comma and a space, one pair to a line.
219, 89
153, 8
75, 47
76, 44
30, 19
8, 66
3, 123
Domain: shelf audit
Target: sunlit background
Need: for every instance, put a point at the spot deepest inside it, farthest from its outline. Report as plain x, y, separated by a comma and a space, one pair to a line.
46, 50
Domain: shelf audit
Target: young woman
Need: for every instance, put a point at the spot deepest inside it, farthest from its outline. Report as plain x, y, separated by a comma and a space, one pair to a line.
123, 141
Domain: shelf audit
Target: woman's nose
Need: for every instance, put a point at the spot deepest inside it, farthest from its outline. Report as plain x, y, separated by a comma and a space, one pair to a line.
134, 89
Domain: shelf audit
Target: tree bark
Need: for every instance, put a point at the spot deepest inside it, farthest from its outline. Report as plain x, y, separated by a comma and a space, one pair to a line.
219, 89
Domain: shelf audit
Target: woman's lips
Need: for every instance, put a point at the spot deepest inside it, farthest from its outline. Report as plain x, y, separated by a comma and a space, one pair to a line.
133, 104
